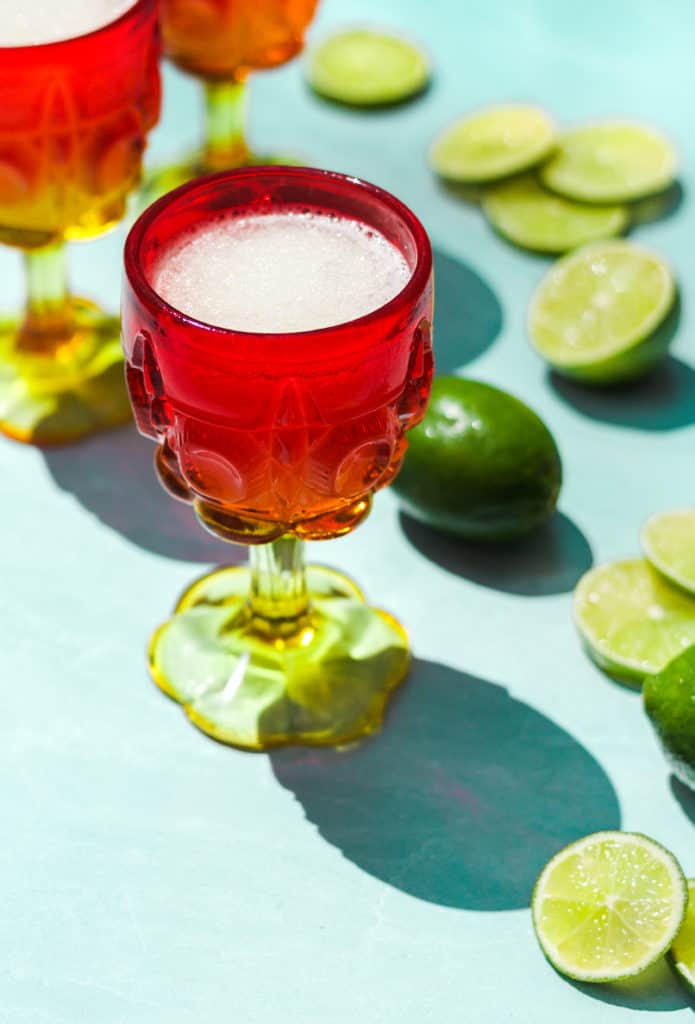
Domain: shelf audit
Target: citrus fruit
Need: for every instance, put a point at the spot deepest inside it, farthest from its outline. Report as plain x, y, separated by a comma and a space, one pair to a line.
530, 216
481, 465
632, 621
608, 906
361, 67
610, 162
669, 700
668, 541
493, 143
601, 314
682, 952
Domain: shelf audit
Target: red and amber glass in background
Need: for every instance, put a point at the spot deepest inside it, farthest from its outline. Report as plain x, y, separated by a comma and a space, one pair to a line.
74, 116
222, 42
276, 439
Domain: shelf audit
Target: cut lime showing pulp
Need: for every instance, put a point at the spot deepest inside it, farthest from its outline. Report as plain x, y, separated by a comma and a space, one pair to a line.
530, 216
668, 541
493, 143
682, 954
361, 67
669, 700
608, 906
631, 619
600, 314
610, 162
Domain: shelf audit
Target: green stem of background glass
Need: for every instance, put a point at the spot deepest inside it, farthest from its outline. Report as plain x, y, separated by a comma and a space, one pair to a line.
279, 595
48, 318
225, 137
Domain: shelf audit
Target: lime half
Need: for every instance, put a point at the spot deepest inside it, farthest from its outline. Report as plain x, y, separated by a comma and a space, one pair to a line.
610, 162
600, 314
608, 906
362, 67
493, 143
668, 541
669, 700
682, 954
530, 216
631, 619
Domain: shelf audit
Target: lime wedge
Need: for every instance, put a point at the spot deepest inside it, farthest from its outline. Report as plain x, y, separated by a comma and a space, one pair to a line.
493, 143
668, 541
610, 162
362, 67
682, 954
632, 621
608, 906
530, 216
600, 314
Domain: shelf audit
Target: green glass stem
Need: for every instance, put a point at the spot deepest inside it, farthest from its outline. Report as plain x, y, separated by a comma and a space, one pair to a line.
279, 594
225, 125
49, 318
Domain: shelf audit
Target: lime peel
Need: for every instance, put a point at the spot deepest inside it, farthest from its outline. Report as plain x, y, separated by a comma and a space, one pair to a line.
585, 897
682, 952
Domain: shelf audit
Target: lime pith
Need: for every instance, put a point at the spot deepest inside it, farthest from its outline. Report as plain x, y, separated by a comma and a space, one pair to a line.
682, 953
601, 314
493, 143
608, 906
632, 621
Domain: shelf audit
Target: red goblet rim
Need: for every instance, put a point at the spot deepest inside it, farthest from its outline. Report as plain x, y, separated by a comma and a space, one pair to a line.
138, 8
403, 301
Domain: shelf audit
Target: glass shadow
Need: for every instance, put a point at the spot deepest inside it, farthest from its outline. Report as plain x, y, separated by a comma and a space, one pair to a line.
468, 314
551, 560
112, 476
461, 800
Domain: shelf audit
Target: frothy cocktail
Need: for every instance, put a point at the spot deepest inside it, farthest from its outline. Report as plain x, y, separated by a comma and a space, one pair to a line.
50, 21
281, 272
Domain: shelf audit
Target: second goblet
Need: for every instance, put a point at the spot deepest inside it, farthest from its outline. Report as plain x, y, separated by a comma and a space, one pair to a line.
277, 329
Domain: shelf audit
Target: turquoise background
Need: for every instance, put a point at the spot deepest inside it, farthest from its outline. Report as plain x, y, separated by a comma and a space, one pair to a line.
150, 875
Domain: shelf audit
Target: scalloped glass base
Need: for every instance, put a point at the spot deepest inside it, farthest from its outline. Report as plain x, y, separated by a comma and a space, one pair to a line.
75, 390
166, 179
327, 684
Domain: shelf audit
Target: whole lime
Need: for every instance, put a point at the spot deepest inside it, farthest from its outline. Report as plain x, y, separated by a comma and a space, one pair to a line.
481, 465
669, 700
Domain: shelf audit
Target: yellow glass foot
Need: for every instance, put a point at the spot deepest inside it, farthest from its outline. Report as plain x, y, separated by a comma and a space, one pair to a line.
326, 683
74, 389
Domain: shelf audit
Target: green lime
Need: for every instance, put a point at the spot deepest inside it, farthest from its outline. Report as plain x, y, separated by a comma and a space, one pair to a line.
682, 953
631, 619
493, 143
668, 541
669, 700
608, 906
530, 216
361, 67
601, 314
610, 162
481, 465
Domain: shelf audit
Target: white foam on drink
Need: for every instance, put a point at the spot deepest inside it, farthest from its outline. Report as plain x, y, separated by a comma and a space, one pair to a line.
281, 272
31, 22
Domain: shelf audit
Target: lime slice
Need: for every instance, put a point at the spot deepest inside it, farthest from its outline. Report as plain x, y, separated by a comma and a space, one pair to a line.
682, 954
530, 216
669, 700
362, 67
493, 143
631, 619
668, 541
601, 314
608, 906
610, 162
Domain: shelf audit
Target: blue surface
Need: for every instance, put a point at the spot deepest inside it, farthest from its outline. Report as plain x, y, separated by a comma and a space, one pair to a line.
151, 875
